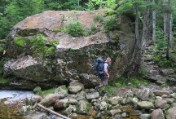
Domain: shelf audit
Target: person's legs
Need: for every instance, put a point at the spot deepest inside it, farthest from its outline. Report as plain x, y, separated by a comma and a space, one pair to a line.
102, 82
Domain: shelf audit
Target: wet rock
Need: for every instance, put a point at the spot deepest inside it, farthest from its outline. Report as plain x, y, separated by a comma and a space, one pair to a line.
93, 95
75, 87
157, 114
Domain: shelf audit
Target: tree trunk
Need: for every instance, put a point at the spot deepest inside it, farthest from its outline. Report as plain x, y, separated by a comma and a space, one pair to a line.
168, 25
136, 57
146, 29
171, 33
154, 23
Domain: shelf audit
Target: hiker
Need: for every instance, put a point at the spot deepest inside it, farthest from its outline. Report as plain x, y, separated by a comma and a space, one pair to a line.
102, 72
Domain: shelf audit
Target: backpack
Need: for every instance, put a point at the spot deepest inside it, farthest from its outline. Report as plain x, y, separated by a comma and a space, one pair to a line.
99, 66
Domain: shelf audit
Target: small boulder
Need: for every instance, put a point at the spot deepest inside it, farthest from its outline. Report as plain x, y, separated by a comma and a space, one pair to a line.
75, 87
145, 116
145, 104
160, 103
49, 99
157, 114
92, 95
161, 92
84, 106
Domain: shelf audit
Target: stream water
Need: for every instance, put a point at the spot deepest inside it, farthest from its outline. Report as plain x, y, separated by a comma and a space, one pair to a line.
15, 94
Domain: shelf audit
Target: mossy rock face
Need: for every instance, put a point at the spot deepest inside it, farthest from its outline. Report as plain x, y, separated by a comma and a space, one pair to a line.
37, 46
44, 55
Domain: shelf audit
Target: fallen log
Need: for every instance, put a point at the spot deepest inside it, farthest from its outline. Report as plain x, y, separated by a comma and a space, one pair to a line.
51, 111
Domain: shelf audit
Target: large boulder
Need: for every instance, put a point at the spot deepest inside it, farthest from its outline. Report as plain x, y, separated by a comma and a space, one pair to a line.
73, 57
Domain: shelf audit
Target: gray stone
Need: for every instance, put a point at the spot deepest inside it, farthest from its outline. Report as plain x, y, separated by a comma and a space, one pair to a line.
84, 106
62, 90
157, 114
144, 94
93, 95
37, 115
114, 100
60, 104
75, 87
118, 117
70, 109
145, 116
36, 99
134, 100
145, 105
72, 101
160, 103
103, 106
89, 80
81, 95
49, 99
167, 72
161, 92
115, 111
124, 114
171, 113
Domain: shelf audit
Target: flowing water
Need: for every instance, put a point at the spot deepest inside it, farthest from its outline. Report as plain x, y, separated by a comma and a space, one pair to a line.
15, 94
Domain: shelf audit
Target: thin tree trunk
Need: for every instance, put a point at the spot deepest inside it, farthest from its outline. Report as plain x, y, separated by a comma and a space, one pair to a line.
134, 65
165, 23
154, 23
137, 24
78, 2
168, 29
171, 32
168, 36
146, 21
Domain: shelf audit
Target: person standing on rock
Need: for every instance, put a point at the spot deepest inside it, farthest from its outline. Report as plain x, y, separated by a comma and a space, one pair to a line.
102, 72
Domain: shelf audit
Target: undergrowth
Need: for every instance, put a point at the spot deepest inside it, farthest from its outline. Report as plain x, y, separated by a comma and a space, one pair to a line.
10, 111
125, 82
